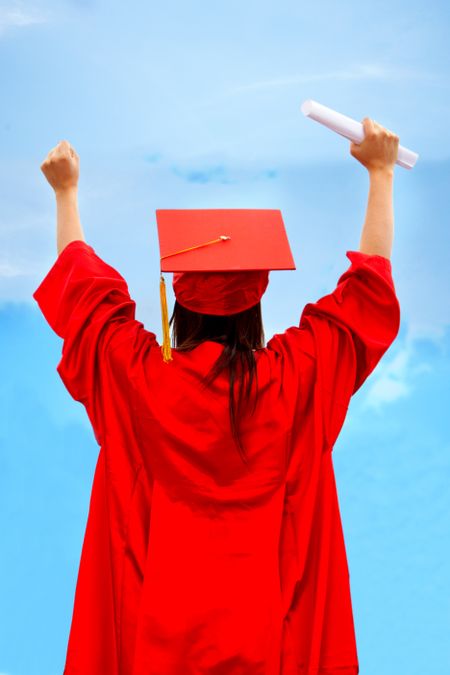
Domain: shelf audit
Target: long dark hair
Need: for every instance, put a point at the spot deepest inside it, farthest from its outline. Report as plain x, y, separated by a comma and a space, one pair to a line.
240, 333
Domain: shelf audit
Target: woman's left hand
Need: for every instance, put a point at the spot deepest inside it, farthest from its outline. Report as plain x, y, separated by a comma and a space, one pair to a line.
61, 167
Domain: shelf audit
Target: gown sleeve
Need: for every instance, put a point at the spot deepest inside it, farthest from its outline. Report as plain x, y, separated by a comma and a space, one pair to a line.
346, 332
87, 303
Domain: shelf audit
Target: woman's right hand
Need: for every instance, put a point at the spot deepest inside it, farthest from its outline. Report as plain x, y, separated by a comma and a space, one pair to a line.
379, 147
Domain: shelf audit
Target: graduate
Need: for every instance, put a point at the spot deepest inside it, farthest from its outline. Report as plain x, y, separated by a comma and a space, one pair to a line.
214, 543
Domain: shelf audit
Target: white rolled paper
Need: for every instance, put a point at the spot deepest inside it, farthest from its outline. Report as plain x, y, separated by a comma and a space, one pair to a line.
350, 129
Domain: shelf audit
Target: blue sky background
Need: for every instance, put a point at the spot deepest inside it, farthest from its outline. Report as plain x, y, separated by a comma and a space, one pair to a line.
195, 105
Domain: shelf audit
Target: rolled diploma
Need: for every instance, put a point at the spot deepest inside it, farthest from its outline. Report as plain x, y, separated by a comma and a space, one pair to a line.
350, 129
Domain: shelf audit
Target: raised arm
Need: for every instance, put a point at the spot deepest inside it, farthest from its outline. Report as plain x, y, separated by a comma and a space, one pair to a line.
378, 153
61, 169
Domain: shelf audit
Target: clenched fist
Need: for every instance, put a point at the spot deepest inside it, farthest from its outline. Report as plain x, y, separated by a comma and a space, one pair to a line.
61, 167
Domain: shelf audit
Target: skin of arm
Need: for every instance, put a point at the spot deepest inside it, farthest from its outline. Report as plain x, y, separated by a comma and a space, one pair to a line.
378, 230
61, 168
68, 225
378, 153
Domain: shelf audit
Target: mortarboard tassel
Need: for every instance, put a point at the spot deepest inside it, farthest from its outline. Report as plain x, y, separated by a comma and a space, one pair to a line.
165, 348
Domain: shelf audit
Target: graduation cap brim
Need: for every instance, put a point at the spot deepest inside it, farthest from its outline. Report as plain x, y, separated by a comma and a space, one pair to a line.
257, 240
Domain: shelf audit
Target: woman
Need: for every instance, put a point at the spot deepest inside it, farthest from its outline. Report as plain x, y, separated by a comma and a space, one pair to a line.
194, 561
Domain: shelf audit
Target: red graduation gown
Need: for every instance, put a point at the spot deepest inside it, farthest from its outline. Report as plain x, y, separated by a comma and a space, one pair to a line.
193, 563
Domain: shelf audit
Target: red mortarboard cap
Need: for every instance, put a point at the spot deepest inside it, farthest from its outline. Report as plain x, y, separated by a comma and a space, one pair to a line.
221, 258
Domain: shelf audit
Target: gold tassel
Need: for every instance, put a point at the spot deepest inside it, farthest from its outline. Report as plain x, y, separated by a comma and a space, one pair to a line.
165, 347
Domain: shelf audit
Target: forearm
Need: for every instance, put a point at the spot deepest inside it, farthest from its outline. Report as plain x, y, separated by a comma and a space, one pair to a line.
378, 231
68, 225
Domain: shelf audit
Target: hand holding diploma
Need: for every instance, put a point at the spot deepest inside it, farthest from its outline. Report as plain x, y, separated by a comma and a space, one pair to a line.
379, 148
356, 132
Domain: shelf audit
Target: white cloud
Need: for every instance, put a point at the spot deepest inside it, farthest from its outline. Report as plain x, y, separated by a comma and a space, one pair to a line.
6, 271
394, 379
433, 329
17, 15
386, 390
368, 71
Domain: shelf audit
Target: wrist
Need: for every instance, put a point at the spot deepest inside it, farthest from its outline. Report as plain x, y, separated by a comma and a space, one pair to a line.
383, 173
67, 192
